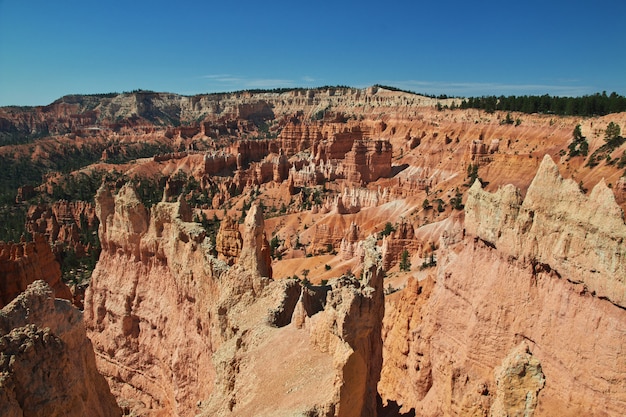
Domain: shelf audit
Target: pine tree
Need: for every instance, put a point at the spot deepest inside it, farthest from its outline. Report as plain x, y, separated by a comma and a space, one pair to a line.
405, 263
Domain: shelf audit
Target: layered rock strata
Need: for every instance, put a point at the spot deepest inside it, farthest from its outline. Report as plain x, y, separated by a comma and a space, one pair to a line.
23, 263
149, 307
368, 161
178, 332
558, 226
403, 238
47, 363
505, 325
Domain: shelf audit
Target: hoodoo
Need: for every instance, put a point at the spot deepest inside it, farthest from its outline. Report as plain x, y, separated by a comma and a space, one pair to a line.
330, 252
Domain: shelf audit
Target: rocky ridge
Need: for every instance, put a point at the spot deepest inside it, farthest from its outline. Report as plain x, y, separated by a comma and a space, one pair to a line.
558, 228
156, 281
47, 363
457, 334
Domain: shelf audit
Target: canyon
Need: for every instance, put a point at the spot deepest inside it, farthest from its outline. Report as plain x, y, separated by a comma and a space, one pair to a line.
326, 252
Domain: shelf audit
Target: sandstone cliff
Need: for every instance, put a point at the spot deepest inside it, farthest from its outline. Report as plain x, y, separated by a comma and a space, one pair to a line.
580, 237
23, 263
300, 350
156, 291
501, 327
148, 308
47, 363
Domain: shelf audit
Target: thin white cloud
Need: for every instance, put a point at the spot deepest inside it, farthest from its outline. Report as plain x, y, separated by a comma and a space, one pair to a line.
215, 76
308, 79
241, 82
267, 83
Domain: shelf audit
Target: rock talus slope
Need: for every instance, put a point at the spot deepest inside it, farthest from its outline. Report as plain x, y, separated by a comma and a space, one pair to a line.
512, 321
47, 363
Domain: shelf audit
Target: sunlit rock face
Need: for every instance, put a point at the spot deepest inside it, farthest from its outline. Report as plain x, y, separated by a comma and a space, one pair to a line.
519, 309
47, 363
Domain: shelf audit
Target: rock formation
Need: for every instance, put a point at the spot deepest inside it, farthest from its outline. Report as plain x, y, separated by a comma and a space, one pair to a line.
156, 281
350, 328
351, 245
23, 263
255, 251
62, 222
313, 337
557, 226
518, 382
368, 161
403, 238
147, 308
521, 314
296, 137
47, 363
228, 240
456, 336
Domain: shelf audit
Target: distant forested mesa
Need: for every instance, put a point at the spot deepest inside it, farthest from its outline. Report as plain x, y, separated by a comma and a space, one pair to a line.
593, 105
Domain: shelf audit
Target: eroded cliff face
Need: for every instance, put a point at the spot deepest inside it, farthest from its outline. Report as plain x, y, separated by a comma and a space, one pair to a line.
23, 263
47, 363
512, 321
298, 350
148, 308
177, 332
580, 237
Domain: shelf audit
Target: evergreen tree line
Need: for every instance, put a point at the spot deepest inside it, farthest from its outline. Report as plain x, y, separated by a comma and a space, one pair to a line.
589, 105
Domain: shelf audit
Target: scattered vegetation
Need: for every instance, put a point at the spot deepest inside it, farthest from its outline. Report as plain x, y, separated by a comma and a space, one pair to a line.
472, 174
579, 145
275, 243
456, 202
405, 263
389, 229
613, 140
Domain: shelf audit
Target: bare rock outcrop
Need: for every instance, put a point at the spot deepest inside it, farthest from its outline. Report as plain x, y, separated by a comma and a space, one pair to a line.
368, 161
318, 350
159, 305
458, 339
228, 240
21, 264
255, 251
62, 221
47, 363
518, 382
350, 328
558, 226
148, 307
397, 242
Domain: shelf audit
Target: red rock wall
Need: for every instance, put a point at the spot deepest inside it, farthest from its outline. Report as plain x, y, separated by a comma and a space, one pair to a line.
62, 222
368, 161
23, 263
499, 303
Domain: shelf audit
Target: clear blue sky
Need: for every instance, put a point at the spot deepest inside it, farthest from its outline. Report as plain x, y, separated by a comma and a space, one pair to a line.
52, 48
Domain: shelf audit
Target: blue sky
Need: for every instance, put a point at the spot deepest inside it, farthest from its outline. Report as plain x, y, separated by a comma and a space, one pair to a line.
49, 49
